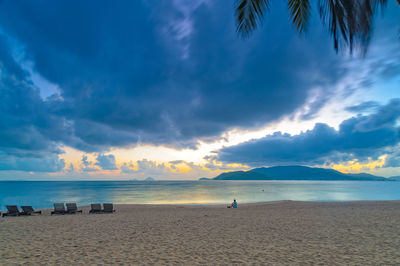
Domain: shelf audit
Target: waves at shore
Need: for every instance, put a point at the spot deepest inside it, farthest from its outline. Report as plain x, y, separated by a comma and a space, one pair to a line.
44, 194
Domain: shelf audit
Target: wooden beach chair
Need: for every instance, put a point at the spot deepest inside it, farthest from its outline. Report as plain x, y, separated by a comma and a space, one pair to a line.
12, 210
72, 208
28, 210
108, 208
59, 208
95, 208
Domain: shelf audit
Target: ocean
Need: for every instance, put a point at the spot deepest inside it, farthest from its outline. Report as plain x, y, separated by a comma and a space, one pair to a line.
42, 194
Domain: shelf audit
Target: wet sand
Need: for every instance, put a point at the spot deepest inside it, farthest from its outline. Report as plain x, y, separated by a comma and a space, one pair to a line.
275, 233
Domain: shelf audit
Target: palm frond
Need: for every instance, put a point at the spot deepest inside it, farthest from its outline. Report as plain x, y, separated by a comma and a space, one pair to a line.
249, 13
350, 21
300, 12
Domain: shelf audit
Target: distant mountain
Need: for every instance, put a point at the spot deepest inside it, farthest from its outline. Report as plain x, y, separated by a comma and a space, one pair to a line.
395, 178
296, 172
149, 179
242, 175
368, 176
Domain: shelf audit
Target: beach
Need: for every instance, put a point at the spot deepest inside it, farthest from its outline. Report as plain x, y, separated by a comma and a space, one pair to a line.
274, 233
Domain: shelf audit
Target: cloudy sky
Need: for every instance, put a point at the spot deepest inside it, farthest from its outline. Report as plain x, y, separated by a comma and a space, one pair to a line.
104, 90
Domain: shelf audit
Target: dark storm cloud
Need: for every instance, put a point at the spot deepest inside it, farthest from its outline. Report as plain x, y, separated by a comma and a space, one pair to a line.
134, 72
42, 163
28, 132
359, 137
138, 72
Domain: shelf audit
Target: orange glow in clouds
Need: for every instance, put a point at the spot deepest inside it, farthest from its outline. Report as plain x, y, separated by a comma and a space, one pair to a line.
355, 166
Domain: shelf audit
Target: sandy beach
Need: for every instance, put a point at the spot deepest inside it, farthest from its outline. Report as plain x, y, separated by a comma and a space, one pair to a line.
275, 233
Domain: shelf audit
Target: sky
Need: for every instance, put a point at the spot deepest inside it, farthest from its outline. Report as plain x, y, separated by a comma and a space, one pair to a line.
102, 90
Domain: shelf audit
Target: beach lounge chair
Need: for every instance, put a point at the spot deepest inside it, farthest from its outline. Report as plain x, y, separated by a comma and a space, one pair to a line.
108, 208
72, 208
12, 210
28, 210
95, 208
59, 208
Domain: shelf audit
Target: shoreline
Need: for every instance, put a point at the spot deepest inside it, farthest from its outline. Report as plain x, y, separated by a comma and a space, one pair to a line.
86, 208
261, 203
248, 204
279, 232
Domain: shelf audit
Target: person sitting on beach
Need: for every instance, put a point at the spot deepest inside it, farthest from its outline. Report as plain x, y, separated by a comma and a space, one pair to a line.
234, 204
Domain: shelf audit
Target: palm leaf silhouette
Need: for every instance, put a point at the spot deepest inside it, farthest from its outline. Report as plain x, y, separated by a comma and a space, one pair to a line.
249, 13
349, 21
300, 12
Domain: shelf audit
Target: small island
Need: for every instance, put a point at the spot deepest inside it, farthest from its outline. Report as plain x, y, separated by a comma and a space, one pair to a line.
148, 179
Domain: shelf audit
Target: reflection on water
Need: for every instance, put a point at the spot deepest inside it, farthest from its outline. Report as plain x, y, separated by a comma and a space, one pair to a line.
44, 194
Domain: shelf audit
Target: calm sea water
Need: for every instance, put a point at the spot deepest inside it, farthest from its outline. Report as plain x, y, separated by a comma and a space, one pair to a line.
42, 194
